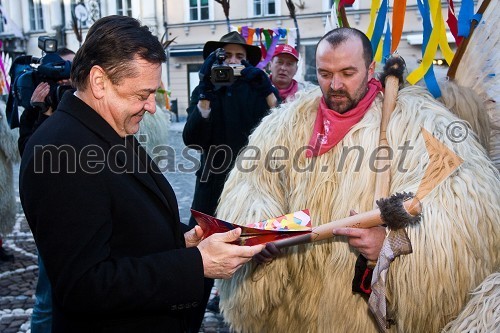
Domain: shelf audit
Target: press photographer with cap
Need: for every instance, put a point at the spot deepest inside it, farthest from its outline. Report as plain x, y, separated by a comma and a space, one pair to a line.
283, 67
221, 116
40, 110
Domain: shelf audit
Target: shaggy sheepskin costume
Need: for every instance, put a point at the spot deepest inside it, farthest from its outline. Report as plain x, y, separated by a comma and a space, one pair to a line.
482, 312
308, 287
153, 132
9, 155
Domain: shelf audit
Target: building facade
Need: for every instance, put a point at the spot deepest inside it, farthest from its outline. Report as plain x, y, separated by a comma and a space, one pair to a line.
190, 23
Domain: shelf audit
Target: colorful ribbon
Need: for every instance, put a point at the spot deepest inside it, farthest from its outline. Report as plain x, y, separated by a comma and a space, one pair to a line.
272, 42
373, 15
379, 25
387, 43
398, 19
437, 37
464, 18
4, 83
453, 23
436, 11
429, 77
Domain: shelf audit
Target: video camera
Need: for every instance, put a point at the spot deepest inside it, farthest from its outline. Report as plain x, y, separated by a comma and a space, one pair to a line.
223, 74
50, 68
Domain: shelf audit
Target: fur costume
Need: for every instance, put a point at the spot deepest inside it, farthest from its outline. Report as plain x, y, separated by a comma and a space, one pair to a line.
478, 67
308, 287
9, 155
482, 312
153, 131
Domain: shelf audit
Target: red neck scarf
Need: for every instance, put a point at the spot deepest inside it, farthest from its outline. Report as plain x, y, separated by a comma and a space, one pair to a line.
290, 91
331, 127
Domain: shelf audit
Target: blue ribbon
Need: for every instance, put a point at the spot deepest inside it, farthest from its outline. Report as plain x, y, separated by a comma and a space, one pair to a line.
387, 43
379, 26
464, 17
429, 77
476, 18
282, 32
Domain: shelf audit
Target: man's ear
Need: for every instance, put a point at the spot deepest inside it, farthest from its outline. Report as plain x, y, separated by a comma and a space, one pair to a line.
97, 81
371, 70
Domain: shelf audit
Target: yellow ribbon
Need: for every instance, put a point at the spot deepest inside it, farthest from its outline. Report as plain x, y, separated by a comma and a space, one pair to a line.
443, 39
435, 39
378, 53
373, 16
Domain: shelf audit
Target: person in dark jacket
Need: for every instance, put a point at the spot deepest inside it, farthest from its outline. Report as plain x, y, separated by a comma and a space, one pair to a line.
103, 216
34, 116
221, 117
31, 119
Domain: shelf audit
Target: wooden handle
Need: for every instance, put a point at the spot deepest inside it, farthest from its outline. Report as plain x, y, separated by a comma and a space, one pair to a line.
383, 164
368, 219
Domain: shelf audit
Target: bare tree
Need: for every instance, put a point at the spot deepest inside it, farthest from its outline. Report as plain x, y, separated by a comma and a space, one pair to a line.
225, 7
77, 28
291, 9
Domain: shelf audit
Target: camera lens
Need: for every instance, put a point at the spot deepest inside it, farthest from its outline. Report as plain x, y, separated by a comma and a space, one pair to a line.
221, 75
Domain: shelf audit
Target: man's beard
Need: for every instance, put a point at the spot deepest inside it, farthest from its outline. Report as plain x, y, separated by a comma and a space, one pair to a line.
349, 102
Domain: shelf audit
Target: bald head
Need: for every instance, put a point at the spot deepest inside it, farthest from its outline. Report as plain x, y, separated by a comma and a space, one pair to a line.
338, 36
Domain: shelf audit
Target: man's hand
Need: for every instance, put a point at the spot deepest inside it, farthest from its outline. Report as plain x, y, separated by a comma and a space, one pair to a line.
259, 78
267, 254
205, 86
194, 236
367, 241
221, 259
38, 98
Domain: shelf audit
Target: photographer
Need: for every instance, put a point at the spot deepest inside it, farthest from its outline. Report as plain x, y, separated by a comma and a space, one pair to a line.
221, 116
39, 111
31, 119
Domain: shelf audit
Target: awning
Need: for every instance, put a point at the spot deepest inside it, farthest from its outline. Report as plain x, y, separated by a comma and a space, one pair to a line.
186, 52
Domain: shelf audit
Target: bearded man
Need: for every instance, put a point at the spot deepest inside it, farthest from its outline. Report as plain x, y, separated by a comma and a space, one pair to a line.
307, 288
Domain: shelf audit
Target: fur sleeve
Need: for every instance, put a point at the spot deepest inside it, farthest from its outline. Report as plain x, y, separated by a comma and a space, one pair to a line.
8, 140
257, 187
456, 245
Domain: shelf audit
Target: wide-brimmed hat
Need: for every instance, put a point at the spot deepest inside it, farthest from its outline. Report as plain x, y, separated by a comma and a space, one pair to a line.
253, 52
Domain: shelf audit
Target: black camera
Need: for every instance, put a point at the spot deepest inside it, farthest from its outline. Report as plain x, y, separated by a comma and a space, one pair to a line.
51, 68
223, 74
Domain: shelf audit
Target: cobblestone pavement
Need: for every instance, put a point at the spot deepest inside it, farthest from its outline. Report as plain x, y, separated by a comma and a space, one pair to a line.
18, 278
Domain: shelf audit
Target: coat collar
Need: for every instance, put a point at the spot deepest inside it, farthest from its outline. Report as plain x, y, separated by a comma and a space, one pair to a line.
126, 153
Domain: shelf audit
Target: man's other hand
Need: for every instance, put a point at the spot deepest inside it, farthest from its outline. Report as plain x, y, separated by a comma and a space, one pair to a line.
222, 259
259, 78
267, 254
367, 241
194, 236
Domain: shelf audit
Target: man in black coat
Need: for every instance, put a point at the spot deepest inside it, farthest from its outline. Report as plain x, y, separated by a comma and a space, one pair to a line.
104, 218
222, 115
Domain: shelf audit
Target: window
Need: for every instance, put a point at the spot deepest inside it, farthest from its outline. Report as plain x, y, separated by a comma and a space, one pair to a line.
310, 60
264, 7
124, 7
36, 15
73, 5
198, 10
327, 5
1, 22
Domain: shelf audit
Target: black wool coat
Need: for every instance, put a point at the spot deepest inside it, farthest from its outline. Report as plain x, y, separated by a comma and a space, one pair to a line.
106, 223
